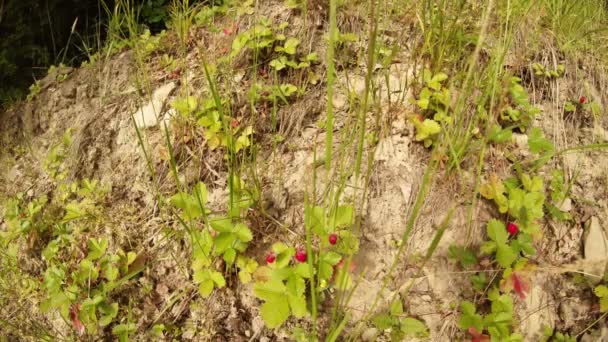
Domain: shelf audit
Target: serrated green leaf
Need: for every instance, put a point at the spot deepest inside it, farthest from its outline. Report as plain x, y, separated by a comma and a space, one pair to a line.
74, 210
205, 288
505, 255
297, 305
223, 241
325, 271
51, 250
499, 135
303, 270
108, 313
383, 321
344, 217
272, 290
275, 313
110, 272
229, 256
537, 142
497, 231
469, 317
96, 248
396, 307
290, 45
185, 106
604, 304
331, 258
435, 82
217, 278
601, 291
295, 285
189, 205
222, 224
426, 129
412, 326
284, 256
314, 219
243, 232
245, 277
278, 63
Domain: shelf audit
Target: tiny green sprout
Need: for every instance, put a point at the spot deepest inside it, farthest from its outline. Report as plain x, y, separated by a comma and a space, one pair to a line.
396, 325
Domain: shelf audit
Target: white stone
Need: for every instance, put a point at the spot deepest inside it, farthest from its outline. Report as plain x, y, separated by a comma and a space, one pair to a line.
148, 115
566, 205
370, 334
521, 140
596, 249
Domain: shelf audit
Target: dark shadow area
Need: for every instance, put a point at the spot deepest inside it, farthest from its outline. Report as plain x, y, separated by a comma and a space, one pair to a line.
35, 34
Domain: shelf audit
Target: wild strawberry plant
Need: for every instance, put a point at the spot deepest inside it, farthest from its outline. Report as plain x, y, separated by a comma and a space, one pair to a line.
517, 108
283, 284
550, 335
219, 130
434, 101
498, 323
223, 236
542, 71
81, 292
395, 324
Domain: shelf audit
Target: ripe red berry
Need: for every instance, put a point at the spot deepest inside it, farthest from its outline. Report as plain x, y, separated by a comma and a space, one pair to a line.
234, 123
301, 255
582, 100
227, 31
270, 258
512, 228
333, 238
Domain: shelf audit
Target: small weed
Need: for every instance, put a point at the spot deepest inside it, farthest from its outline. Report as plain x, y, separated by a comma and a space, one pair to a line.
397, 326
517, 108
498, 323
219, 131
34, 90
549, 335
541, 71
434, 101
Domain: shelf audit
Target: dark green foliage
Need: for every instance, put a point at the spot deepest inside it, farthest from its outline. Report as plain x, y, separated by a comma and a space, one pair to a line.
35, 34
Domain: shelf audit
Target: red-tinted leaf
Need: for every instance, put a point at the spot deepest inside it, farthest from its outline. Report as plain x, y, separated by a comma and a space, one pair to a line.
477, 336
76, 323
520, 286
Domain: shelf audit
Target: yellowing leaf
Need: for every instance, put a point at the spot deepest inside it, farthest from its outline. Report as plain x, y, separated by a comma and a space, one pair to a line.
426, 129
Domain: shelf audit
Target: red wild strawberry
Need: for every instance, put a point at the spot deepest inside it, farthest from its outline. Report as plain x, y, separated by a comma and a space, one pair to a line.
512, 228
270, 258
333, 238
301, 255
582, 100
227, 31
234, 123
